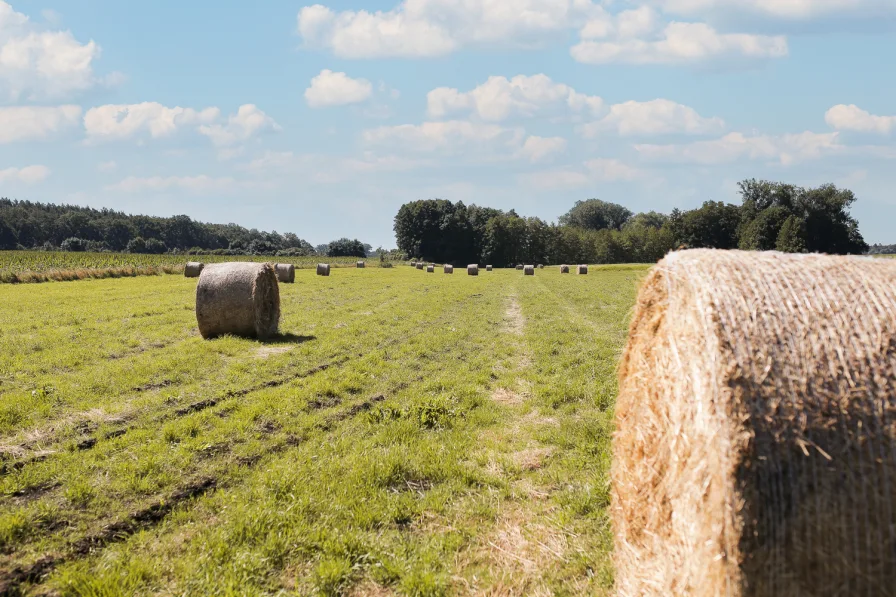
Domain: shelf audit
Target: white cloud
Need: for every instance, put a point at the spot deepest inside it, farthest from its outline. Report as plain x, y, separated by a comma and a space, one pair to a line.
656, 117
27, 175
635, 23
853, 118
246, 123
536, 149
610, 170
426, 28
336, 89
109, 166
451, 135
782, 9
522, 96
40, 64
680, 43
115, 122
24, 123
591, 172
785, 149
194, 184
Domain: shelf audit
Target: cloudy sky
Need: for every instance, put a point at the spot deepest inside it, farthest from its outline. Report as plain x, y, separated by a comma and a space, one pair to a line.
322, 119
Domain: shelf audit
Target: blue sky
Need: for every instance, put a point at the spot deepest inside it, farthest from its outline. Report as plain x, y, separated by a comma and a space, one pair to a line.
323, 119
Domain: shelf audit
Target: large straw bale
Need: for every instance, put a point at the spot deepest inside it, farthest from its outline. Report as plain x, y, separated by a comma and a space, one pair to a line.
472, 270
242, 299
193, 269
448, 269
582, 270
430, 269
488, 268
323, 269
529, 270
755, 450
286, 273
360, 265
564, 269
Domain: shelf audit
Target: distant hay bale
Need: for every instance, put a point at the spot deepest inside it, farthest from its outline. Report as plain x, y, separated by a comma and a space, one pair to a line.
449, 269
582, 270
755, 450
419, 266
488, 268
193, 269
430, 269
529, 270
286, 273
242, 299
472, 270
564, 269
323, 269
540, 266
519, 267
360, 265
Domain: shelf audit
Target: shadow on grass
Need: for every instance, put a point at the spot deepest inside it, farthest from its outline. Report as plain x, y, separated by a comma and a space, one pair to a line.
288, 339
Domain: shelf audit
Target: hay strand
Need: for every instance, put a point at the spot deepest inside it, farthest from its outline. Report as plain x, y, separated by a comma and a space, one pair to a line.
529, 270
323, 269
242, 299
472, 270
755, 451
286, 273
193, 269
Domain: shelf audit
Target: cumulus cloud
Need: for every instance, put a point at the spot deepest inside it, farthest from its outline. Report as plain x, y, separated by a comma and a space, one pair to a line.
26, 175
115, 122
26, 123
656, 117
785, 149
336, 89
246, 123
536, 149
500, 98
780, 9
426, 28
589, 173
853, 118
449, 136
678, 43
38, 64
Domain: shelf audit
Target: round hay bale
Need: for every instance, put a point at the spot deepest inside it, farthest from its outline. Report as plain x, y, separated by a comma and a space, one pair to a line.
488, 268
564, 269
286, 273
540, 266
582, 270
472, 270
448, 269
419, 266
242, 299
755, 450
430, 269
193, 269
360, 265
323, 269
529, 270
519, 267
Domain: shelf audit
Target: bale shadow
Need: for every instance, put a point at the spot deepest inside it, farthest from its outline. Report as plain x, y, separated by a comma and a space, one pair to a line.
287, 339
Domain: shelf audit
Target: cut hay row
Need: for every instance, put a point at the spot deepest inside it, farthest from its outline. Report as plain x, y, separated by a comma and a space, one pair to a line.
242, 299
755, 451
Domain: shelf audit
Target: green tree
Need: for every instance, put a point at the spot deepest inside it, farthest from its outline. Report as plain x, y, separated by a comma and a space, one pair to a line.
792, 236
761, 234
714, 225
74, 244
594, 214
345, 247
8, 237
136, 245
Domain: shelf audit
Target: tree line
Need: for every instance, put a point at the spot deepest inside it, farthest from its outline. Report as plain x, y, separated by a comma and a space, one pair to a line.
41, 226
771, 216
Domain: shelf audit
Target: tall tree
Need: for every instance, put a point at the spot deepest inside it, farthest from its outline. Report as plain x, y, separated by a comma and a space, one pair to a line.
594, 214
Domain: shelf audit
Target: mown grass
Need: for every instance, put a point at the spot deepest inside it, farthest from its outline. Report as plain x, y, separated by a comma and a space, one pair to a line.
411, 433
22, 267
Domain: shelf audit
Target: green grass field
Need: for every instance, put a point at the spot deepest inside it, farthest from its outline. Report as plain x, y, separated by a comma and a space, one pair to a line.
409, 434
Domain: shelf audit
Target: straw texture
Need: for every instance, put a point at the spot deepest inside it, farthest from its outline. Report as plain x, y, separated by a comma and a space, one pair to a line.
286, 273
529, 270
755, 451
242, 299
193, 269
323, 269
